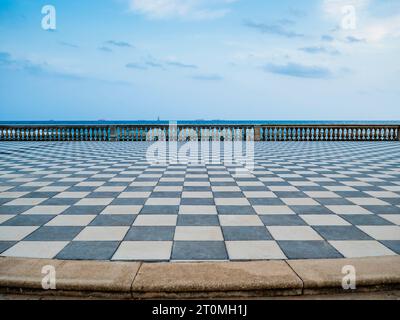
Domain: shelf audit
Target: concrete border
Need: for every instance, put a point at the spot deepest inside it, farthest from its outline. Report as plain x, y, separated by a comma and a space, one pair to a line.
136, 280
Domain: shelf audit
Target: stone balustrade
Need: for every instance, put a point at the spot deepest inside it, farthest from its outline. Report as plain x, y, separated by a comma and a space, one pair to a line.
120, 132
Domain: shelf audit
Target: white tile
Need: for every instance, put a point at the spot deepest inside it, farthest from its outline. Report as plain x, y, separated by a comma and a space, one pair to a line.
294, 233
348, 209
197, 210
198, 234
240, 220
394, 218
122, 210
383, 194
232, 202
110, 189
15, 233
35, 249
283, 188
197, 195
382, 232
143, 183
225, 189
37, 184
102, 234
155, 220
90, 184
221, 179
324, 220
50, 210
368, 201
163, 202
359, 249
6, 217
71, 220
196, 184
254, 250
144, 250
25, 202
300, 202
94, 202
250, 183
261, 210
391, 188
356, 184
303, 184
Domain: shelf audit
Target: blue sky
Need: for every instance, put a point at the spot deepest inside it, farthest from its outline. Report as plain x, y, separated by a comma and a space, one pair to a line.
200, 59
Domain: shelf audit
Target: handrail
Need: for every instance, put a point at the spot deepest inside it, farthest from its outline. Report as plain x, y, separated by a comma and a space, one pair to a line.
198, 132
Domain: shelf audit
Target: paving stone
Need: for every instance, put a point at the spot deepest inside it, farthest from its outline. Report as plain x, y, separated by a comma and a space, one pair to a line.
304, 198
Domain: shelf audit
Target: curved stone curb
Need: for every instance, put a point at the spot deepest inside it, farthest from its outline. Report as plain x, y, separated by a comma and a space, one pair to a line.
134, 280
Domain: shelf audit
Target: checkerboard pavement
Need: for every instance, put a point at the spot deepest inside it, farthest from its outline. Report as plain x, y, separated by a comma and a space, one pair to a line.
105, 201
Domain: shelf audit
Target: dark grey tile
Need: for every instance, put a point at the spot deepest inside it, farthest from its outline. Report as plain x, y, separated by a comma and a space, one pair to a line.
197, 201
244, 210
40, 195
4, 245
334, 201
266, 202
14, 209
165, 194
282, 220
199, 250
87, 210
197, 220
102, 195
114, 220
228, 194
154, 233
366, 220
59, 202
246, 233
311, 210
383, 209
341, 233
139, 189
28, 220
88, 250
393, 245
309, 250
128, 201
160, 210
290, 194
54, 234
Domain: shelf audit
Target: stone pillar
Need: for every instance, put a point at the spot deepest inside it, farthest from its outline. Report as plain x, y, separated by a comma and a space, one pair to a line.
113, 133
257, 133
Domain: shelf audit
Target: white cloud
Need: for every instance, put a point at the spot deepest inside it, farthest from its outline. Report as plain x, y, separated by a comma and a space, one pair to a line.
187, 9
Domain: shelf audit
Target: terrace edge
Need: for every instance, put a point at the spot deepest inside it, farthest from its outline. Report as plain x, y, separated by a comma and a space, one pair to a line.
193, 280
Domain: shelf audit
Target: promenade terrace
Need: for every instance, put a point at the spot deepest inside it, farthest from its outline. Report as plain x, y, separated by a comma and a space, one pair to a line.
293, 192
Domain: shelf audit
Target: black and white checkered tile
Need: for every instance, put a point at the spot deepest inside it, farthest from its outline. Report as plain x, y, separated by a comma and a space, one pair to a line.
105, 201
